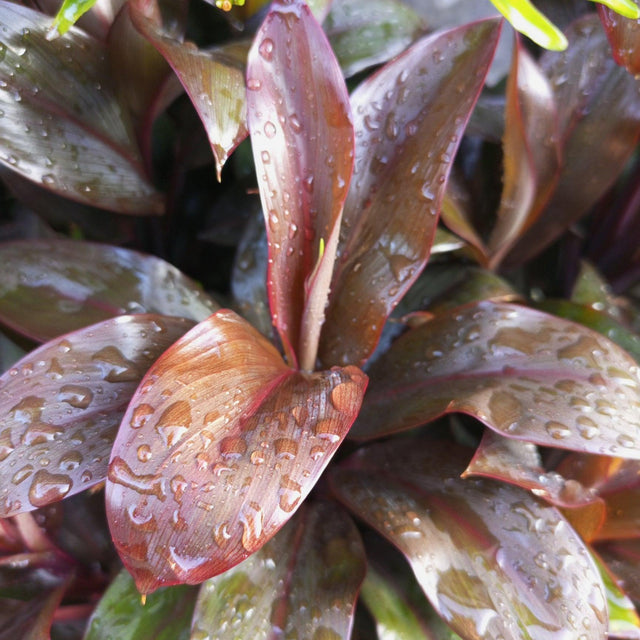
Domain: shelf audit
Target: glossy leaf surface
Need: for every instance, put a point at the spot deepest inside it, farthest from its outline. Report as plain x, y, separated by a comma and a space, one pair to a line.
302, 141
599, 120
624, 37
62, 403
393, 204
519, 463
303, 583
166, 614
362, 35
69, 135
521, 372
219, 446
531, 153
213, 79
493, 560
51, 287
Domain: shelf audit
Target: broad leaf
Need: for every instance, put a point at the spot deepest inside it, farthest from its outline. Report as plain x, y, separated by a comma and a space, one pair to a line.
598, 321
303, 583
62, 403
599, 120
521, 372
531, 153
61, 124
165, 615
218, 448
302, 139
493, 560
213, 79
365, 34
51, 287
624, 37
519, 463
393, 204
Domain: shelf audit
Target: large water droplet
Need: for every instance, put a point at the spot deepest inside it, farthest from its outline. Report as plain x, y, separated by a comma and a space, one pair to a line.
343, 396
70, 460
77, 396
115, 367
174, 422
252, 520
140, 415
286, 448
290, 493
121, 473
327, 430
266, 49
48, 487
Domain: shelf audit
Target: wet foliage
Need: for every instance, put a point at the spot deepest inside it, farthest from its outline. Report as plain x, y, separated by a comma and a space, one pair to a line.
319, 321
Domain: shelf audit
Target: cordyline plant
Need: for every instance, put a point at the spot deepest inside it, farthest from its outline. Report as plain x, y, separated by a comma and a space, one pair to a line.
363, 430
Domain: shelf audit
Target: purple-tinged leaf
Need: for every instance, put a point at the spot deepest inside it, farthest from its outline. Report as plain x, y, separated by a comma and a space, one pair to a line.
140, 73
523, 373
164, 616
62, 403
622, 558
61, 124
531, 153
456, 215
492, 559
303, 583
518, 462
214, 80
624, 38
599, 122
391, 212
219, 446
52, 287
365, 34
302, 139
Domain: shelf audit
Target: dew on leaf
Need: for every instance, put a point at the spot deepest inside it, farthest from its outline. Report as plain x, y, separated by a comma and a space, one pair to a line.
116, 368
48, 487
144, 453
174, 422
121, 473
70, 460
77, 396
327, 430
286, 448
265, 49
140, 415
22, 474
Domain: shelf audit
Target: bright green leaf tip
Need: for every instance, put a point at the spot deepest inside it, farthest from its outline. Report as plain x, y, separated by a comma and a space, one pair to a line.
526, 19
626, 8
68, 14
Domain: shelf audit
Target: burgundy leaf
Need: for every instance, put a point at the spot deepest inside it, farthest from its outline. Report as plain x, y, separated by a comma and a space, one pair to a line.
62, 126
409, 118
220, 445
518, 462
302, 138
531, 153
62, 403
492, 559
523, 373
213, 79
302, 583
51, 287
624, 37
599, 122
364, 34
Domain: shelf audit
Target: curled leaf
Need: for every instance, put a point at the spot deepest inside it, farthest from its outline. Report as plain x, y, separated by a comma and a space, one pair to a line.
218, 448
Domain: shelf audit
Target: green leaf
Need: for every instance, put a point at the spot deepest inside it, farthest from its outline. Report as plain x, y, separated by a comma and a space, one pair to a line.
627, 8
302, 583
528, 20
219, 447
61, 405
492, 559
120, 614
68, 14
364, 34
523, 373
